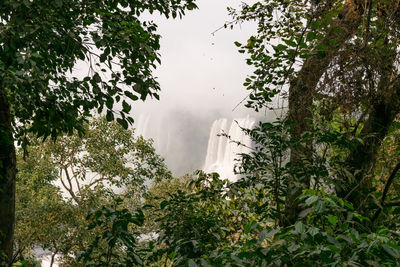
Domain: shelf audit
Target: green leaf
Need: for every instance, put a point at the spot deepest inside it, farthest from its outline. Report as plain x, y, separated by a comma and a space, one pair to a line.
96, 78
311, 200
349, 205
204, 263
123, 123
126, 107
280, 47
311, 36
332, 220
272, 233
293, 248
172, 255
109, 102
320, 207
299, 227
131, 96
322, 47
290, 43
163, 204
394, 253
191, 263
250, 226
304, 213
313, 231
109, 115
262, 236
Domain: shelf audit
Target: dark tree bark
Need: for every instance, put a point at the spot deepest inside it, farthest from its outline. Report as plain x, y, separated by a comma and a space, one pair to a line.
361, 161
385, 192
7, 177
302, 90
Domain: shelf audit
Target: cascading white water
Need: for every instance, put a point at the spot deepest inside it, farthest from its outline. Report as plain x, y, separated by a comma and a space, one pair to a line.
142, 125
221, 151
157, 130
188, 143
216, 146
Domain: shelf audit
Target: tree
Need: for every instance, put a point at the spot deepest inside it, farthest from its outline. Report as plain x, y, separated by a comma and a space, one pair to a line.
41, 42
108, 167
339, 56
105, 156
37, 198
193, 216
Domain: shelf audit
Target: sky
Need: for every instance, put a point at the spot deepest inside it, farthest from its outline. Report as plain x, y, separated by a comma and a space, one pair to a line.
200, 70
201, 78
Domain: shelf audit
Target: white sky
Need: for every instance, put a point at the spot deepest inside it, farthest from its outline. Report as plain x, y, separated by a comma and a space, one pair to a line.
199, 70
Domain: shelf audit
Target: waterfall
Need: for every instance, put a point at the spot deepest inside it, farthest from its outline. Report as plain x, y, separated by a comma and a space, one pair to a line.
216, 146
187, 142
222, 152
179, 136
156, 128
142, 125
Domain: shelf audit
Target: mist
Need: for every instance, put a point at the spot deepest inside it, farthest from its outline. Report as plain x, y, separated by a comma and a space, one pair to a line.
201, 76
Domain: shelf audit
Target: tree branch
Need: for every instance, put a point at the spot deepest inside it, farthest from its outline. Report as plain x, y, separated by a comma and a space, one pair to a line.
69, 189
385, 191
393, 203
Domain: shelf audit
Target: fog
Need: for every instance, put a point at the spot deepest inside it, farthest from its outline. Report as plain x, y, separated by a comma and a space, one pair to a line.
201, 76
201, 70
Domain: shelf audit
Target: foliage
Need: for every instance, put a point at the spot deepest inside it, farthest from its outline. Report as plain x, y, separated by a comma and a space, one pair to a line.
209, 222
309, 196
116, 245
335, 63
265, 169
112, 37
205, 221
157, 193
40, 92
273, 64
386, 163
107, 154
38, 198
342, 54
297, 36
31, 262
194, 221
106, 168
328, 233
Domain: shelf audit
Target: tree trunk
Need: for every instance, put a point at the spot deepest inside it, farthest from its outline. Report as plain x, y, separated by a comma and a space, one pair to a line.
301, 95
361, 160
7, 178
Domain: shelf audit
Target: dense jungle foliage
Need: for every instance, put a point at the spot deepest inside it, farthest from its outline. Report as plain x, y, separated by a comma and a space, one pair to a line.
320, 187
